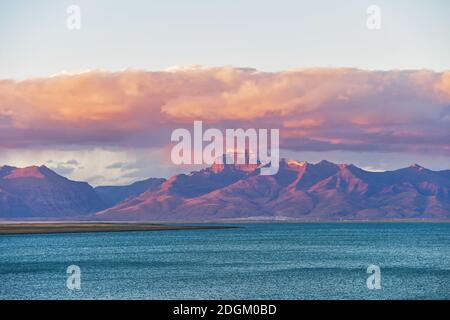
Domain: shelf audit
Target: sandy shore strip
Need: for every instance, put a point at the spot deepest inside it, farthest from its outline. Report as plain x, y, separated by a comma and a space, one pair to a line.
64, 227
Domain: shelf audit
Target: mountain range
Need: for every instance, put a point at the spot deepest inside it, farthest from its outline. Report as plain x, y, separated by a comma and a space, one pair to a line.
300, 191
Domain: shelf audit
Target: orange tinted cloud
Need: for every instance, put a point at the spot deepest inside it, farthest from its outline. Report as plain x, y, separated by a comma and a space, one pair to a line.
316, 109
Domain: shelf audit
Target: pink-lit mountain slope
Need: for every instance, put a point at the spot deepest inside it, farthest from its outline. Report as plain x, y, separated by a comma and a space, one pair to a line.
300, 191
38, 192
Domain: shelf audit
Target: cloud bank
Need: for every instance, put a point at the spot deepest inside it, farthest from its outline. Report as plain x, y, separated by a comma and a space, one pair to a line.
315, 109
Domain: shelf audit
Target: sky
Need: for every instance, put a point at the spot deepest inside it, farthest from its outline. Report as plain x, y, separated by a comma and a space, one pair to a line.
99, 103
266, 35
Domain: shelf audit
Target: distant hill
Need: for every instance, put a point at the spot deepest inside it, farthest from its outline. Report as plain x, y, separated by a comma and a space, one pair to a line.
112, 195
38, 192
300, 191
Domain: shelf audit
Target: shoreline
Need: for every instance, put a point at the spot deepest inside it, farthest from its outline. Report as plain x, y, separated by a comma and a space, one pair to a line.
55, 227
15, 228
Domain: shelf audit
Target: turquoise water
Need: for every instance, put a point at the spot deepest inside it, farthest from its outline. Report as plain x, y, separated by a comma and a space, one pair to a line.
257, 261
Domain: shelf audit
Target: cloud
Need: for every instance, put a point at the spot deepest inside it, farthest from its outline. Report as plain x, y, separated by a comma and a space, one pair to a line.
315, 109
116, 165
63, 170
64, 167
92, 163
72, 162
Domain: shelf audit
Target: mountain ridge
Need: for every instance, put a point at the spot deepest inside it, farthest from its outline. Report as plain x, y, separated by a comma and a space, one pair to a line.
300, 191
38, 192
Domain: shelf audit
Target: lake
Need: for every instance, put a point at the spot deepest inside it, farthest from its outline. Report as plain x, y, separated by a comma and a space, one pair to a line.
256, 261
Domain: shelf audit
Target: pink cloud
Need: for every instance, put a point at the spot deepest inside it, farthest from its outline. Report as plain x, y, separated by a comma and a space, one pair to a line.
316, 109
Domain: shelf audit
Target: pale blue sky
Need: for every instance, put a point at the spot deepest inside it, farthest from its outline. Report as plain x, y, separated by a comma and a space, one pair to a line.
266, 35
